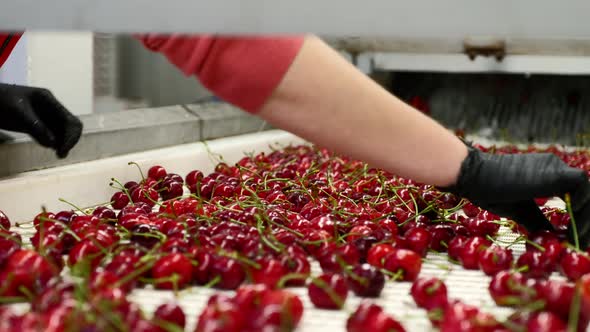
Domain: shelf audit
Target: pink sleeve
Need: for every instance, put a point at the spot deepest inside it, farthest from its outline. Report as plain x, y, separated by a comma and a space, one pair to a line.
243, 71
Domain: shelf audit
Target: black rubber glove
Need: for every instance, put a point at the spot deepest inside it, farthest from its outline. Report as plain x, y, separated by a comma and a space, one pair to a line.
507, 184
37, 112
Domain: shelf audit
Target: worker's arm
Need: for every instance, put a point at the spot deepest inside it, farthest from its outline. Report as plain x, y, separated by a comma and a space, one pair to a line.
326, 100
7, 43
321, 97
35, 111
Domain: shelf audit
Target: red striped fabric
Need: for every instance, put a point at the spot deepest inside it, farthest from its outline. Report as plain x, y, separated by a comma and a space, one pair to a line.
7, 43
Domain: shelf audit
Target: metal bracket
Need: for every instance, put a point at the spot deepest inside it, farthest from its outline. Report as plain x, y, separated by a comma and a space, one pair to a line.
486, 48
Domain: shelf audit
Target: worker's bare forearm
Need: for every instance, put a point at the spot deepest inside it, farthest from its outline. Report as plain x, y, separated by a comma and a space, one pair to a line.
327, 101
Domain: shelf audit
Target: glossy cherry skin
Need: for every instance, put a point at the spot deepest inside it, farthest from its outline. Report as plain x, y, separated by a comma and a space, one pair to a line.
405, 262
4, 221
365, 281
575, 264
170, 313
429, 293
328, 291
119, 200
495, 259
169, 267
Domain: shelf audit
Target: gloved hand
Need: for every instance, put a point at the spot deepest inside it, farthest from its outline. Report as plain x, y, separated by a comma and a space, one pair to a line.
35, 111
507, 184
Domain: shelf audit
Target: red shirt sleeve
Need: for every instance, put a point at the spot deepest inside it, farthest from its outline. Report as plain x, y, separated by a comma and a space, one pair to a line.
7, 44
241, 70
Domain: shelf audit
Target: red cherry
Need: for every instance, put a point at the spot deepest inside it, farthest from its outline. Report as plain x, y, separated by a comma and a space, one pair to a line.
157, 172
495, 259
172, 271
193, 180
365, 281
441, 235
270, 272
405, 262
545, 322
541, 238
370, 317
509, 289
44, 219
145, 195
462, 317
221, 318
65, 216
377, 253
456, 247
172, 314
279, 310
85, 252
333, 261
171, 189
4, 221
557, 296
296, 264
104, 213
7, 248
575, 264
328, 291
534, 265
100, 280
52, 296
471, 210
469, 255
365, 313
358, 232
223, 190
229, 272
429, 293
25, 271
417, 239
119, 200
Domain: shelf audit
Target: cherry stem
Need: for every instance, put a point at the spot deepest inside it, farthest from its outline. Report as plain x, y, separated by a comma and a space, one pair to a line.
12, 299
574, 314
216, 158
536, 245
139, 168
26, 292
166, 326
72, 205
291, 276
440, 266
131, 276
394, 276
263, 237
10, 237
568, 204
237, 257
213, 282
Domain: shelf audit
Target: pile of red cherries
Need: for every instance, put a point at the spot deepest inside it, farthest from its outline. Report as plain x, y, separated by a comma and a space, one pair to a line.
256, 228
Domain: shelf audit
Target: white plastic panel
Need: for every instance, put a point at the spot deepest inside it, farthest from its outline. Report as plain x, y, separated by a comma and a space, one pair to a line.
86, 184
420, 18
